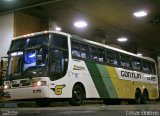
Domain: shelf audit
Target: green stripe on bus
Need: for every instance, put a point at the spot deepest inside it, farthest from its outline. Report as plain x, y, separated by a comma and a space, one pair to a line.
107, 81
97, 79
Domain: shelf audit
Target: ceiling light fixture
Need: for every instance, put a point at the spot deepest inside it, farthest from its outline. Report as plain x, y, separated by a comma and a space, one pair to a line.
80, 24
122, 39
140, 14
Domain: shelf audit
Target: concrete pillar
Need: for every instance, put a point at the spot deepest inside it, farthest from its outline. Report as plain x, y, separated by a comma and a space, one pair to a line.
6, 32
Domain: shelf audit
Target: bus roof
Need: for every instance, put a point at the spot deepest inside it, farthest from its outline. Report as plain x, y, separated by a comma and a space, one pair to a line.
39, 33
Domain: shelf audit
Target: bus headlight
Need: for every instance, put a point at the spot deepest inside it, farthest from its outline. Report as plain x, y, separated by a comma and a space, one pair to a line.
41, 83
6, 86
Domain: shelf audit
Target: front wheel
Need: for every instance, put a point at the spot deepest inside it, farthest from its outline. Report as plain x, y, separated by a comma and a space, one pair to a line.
77, 96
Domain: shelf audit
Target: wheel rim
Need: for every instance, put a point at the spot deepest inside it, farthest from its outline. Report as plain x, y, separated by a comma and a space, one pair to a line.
77, 95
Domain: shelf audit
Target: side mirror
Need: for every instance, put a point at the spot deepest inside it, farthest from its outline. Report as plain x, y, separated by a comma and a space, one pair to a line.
1, 64
1, 70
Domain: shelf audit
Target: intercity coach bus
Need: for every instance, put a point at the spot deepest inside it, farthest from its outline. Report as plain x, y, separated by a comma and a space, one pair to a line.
52, 65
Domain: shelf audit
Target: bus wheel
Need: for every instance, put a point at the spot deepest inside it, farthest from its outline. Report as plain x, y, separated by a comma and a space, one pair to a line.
77, 96
43, 102
138, 97
145, 97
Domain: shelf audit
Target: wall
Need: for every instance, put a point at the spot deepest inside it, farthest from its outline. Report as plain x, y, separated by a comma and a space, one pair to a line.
6, 32
25, 24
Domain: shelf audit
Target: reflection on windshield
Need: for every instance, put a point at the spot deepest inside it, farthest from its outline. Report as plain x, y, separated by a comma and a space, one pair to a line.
29, 59
35, 58
35, 62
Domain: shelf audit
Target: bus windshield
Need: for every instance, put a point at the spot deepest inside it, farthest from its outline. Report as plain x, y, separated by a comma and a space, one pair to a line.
39, 56
28, 57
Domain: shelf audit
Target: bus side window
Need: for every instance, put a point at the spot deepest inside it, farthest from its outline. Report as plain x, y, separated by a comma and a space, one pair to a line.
58, 59
84, 51
124, 61
94, 53
153, 68
101, 57
75, 49
136, 63
59, 41
111, 57
146, 66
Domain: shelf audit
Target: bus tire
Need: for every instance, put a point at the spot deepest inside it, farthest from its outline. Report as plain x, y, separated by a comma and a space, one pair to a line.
145, 97
77, 95
138, 97
43, 102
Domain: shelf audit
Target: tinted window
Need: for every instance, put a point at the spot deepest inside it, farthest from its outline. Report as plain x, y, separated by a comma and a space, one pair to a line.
111, 57
75, 49
84, 51
59, 41
29, 42
38, 40
136, 63
146, 66
124, 60
101, 57
153, 68
17, 44
94, 53
58, 63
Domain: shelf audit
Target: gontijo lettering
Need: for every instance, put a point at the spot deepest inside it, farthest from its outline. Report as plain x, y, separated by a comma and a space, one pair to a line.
130, 75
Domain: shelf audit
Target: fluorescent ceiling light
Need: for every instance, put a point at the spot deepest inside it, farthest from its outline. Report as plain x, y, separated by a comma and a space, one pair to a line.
80, 24
140, 14
58, 29
122, 39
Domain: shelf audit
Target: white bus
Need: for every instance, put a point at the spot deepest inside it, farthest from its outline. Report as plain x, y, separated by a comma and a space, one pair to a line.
49, 65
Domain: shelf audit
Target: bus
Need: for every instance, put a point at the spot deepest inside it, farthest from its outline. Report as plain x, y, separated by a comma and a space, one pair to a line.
50, 65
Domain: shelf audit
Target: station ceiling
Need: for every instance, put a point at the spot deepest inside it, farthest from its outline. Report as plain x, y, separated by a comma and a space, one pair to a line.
107, 19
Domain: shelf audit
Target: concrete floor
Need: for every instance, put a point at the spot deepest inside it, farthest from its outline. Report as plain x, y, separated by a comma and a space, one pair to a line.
88, 109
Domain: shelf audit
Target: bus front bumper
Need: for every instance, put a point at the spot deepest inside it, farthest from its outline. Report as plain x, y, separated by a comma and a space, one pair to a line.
26, 93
